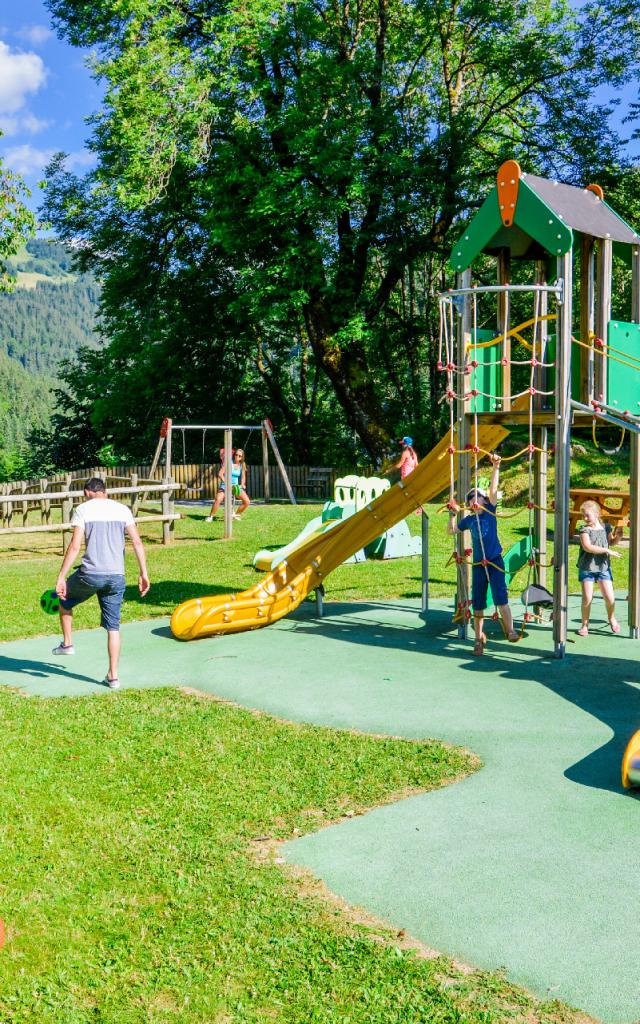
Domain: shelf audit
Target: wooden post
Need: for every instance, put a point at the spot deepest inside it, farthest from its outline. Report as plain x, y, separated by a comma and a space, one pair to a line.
135, 497
265, 466
604, 264
463, 335
504, 277
562, 436
25, 504
634, 480
67, 512
540, 498
228, 490
283, 472
587, 319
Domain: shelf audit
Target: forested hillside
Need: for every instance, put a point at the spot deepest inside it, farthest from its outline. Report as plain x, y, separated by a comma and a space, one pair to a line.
43, 322
51, 313
26, 403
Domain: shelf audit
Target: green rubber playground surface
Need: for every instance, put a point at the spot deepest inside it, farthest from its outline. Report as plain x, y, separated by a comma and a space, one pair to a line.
531, 864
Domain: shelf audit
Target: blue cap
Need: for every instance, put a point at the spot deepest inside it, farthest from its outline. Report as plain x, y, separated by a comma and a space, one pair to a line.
407, 441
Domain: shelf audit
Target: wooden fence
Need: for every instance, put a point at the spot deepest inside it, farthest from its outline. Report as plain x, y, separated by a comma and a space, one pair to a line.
20, 499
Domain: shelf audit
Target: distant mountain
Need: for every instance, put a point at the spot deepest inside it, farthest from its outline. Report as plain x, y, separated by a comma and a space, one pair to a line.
52, 311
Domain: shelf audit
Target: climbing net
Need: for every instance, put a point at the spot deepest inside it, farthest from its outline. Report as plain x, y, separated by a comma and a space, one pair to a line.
462, 386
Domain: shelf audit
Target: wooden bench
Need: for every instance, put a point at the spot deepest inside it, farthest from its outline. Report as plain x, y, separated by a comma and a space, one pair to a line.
318, 483
615, 505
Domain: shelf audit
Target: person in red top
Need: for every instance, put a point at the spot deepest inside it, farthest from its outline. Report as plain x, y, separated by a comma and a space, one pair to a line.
408, 459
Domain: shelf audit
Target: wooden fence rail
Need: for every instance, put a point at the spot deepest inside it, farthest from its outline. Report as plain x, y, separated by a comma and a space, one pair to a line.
45, 494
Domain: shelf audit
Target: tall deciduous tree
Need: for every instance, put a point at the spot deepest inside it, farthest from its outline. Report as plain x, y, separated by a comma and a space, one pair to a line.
314, 156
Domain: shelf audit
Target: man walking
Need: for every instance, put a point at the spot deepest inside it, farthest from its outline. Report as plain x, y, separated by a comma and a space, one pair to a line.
103, 524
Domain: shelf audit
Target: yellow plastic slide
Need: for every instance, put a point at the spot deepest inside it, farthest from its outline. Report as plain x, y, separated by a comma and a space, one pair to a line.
287, 586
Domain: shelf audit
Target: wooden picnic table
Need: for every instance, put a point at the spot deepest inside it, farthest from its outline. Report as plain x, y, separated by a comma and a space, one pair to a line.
615, 505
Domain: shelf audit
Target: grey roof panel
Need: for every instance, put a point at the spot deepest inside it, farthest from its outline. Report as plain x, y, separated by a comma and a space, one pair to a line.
582, 210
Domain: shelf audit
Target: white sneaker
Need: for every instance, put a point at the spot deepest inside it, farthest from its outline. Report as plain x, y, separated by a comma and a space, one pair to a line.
61, 649
113, 684
234, 516
210, 519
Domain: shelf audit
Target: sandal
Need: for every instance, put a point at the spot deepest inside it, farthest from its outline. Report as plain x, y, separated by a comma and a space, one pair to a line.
583, 631
615, 625
478, 648
513, 637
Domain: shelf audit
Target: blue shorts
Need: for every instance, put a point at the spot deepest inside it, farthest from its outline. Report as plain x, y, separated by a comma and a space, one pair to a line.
597, 575
109, 589
480, 584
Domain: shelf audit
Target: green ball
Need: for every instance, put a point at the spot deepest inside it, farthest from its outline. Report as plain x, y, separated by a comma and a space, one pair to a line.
50, 602
237, 490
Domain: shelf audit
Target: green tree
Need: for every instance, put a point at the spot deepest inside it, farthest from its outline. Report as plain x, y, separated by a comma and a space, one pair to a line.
308, 163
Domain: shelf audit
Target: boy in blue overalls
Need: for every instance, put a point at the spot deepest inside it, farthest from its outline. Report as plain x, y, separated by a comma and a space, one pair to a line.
488, 569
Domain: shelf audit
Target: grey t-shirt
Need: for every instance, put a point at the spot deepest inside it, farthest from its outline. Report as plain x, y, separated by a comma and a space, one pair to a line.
104, 523
589, 562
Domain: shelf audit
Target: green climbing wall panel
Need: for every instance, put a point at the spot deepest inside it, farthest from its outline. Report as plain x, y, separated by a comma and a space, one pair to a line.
485, 377
623, 381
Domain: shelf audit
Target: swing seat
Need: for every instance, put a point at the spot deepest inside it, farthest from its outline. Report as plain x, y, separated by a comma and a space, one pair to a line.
537, 596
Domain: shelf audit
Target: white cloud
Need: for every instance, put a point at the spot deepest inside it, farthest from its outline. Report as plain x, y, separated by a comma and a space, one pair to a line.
28, 123
28, 159
35, 35
20, 74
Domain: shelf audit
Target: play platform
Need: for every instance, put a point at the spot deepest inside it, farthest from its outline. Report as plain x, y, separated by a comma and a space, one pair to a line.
531, 864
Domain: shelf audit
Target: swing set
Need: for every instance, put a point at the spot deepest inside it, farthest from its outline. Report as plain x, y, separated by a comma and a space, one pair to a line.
165, 442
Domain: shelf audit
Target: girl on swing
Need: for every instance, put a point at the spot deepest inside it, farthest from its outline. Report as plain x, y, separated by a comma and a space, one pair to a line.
238, 484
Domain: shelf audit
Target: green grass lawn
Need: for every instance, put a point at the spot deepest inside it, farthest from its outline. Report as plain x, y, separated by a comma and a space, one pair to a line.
139, 876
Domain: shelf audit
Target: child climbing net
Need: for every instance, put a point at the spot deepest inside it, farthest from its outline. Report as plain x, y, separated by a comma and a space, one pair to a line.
462, 387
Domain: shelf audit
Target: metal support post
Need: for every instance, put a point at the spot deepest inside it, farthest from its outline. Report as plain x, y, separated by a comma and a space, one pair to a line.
540, 497
228, 488
265, 466
604, 264
425, 562
463, 337
504, 277
562, 437
587, 318
634, 480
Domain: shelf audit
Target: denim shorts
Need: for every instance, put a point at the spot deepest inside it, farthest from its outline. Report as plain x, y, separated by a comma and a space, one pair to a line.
598, 575
108, 588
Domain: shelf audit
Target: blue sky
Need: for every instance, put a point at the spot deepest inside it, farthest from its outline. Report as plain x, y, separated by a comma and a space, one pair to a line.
46, 92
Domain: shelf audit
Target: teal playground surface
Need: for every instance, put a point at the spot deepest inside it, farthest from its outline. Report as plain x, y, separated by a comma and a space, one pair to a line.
531, 865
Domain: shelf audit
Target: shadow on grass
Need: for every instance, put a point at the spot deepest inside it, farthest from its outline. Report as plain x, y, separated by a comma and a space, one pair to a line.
607, 688
171, 592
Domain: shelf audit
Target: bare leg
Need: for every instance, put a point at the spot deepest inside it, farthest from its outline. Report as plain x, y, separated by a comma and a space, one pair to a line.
245, 502
66, 623
507, 621
217, 503
478, 629
113, 648
606, 589
587, 598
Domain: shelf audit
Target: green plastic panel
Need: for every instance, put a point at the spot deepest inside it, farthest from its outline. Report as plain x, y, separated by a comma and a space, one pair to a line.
516, 557
532, 216
540, 222
485, 377
623, 381
478, 233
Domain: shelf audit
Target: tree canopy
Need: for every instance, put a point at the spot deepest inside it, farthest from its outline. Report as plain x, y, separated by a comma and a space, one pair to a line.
277, 186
